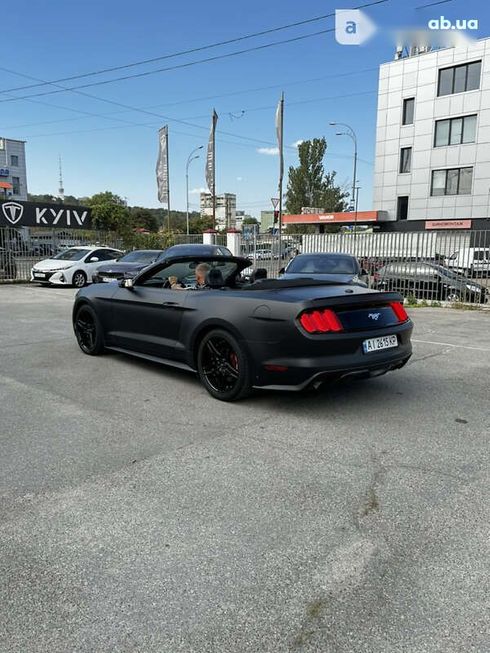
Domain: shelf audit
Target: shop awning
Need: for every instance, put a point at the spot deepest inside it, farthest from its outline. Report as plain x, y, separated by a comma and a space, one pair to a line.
5, 184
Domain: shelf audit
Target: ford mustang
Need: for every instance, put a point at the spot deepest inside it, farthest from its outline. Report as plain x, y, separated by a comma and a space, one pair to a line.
238, 335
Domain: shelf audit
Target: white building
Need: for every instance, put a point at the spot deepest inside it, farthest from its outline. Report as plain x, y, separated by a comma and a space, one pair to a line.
433, 139
13, 175
225, 209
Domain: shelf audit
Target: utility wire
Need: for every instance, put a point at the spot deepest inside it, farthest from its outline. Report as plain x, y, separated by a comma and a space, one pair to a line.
186, 52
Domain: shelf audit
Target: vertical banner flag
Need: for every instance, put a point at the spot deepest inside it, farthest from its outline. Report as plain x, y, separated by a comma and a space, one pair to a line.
162, 166
210, 180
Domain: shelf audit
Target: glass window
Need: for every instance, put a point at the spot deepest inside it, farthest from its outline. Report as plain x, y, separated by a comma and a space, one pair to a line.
14, 160
442, 133
402, 207
469, 129
473, 77
459, 84
456, 131
459, 78
465, 179
452, 180
16, 185
438, 182
71, 255
408, 107
405, 159
445, 81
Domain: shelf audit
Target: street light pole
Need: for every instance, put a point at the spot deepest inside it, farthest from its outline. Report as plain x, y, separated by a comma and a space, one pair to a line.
189, 159
352, 134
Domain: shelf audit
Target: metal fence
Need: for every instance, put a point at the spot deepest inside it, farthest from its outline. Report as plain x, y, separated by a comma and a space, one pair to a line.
430, 267
435, 266
20, 251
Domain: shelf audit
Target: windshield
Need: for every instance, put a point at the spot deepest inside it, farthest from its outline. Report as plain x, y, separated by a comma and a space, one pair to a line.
184, 272
451, 275
72, 255
322, 264
139, 256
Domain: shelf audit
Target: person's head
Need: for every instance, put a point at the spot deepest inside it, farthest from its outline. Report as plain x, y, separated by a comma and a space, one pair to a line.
201, 271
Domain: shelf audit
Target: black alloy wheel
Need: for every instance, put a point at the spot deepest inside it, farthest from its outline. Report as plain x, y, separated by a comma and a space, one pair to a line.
88, 331
79, 279
223, 366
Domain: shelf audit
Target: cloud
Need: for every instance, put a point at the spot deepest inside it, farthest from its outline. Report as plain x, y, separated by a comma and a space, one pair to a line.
270, 151
198, 191
239, 178
298, 142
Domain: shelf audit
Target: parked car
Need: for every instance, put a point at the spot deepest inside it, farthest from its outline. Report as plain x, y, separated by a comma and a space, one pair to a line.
128, 265
73, 267
473, 261
191, 249
274, 333
8, 268
428, 281
343, 268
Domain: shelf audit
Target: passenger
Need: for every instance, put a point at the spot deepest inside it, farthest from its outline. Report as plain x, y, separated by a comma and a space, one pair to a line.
201, 272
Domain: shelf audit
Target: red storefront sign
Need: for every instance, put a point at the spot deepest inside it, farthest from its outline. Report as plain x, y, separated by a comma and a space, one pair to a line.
448, 224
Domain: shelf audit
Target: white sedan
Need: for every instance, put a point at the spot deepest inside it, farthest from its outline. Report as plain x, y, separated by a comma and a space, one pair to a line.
74, 266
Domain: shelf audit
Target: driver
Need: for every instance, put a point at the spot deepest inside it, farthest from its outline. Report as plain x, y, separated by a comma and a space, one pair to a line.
201, 272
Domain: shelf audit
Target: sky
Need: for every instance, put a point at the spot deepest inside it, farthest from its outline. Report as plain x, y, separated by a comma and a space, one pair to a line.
106, 134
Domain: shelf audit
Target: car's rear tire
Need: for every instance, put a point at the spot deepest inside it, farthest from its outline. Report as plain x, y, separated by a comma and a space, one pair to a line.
224, 366
88, 331
79, 279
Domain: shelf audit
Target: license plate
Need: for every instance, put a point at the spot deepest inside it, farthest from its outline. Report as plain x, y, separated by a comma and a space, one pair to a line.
107, 279
39, 275
375, 344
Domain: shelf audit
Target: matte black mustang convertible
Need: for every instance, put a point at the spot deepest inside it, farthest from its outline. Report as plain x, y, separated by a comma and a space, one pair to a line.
273, 333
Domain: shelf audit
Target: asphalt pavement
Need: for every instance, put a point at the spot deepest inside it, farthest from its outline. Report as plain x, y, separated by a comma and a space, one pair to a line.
140, 515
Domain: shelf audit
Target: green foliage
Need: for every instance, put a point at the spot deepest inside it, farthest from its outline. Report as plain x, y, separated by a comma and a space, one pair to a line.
250, 221
158, 240
143, 218
110, 213
310, 185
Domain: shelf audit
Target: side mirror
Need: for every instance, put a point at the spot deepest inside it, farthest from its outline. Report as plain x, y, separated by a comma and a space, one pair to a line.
93, 259
126, 283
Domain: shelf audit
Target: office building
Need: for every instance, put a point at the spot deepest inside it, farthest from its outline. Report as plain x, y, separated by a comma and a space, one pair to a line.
225, 209
432, 167
13, 175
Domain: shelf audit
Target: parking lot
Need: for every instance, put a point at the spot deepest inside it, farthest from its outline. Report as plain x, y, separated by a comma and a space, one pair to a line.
140, 515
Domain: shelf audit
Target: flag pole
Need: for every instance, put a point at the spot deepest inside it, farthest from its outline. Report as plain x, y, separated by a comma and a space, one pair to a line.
168, 188
280, 133
214, 179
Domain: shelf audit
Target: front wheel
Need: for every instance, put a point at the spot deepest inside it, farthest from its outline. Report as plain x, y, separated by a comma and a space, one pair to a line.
88, 331
79, 279
223, 366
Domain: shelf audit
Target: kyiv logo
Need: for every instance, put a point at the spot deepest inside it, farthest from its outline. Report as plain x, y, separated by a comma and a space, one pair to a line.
352, 27
12, 211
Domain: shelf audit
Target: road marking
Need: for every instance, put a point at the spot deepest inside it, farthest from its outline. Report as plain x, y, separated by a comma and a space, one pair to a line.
449, 344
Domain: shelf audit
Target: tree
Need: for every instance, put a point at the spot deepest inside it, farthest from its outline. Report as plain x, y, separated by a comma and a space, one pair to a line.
109, 212
309, 185
143, 218
250, 220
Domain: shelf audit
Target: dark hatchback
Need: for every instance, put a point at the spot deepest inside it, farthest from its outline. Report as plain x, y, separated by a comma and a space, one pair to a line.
132, 263
128, 265
429, 281
325, 266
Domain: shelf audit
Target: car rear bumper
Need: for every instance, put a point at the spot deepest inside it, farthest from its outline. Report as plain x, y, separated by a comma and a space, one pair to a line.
346, 359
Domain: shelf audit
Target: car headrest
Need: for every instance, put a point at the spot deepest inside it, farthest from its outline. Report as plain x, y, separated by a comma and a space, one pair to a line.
214, 278
259, 273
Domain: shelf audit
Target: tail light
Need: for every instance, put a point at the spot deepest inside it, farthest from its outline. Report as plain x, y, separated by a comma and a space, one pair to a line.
399, 311
321, 321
